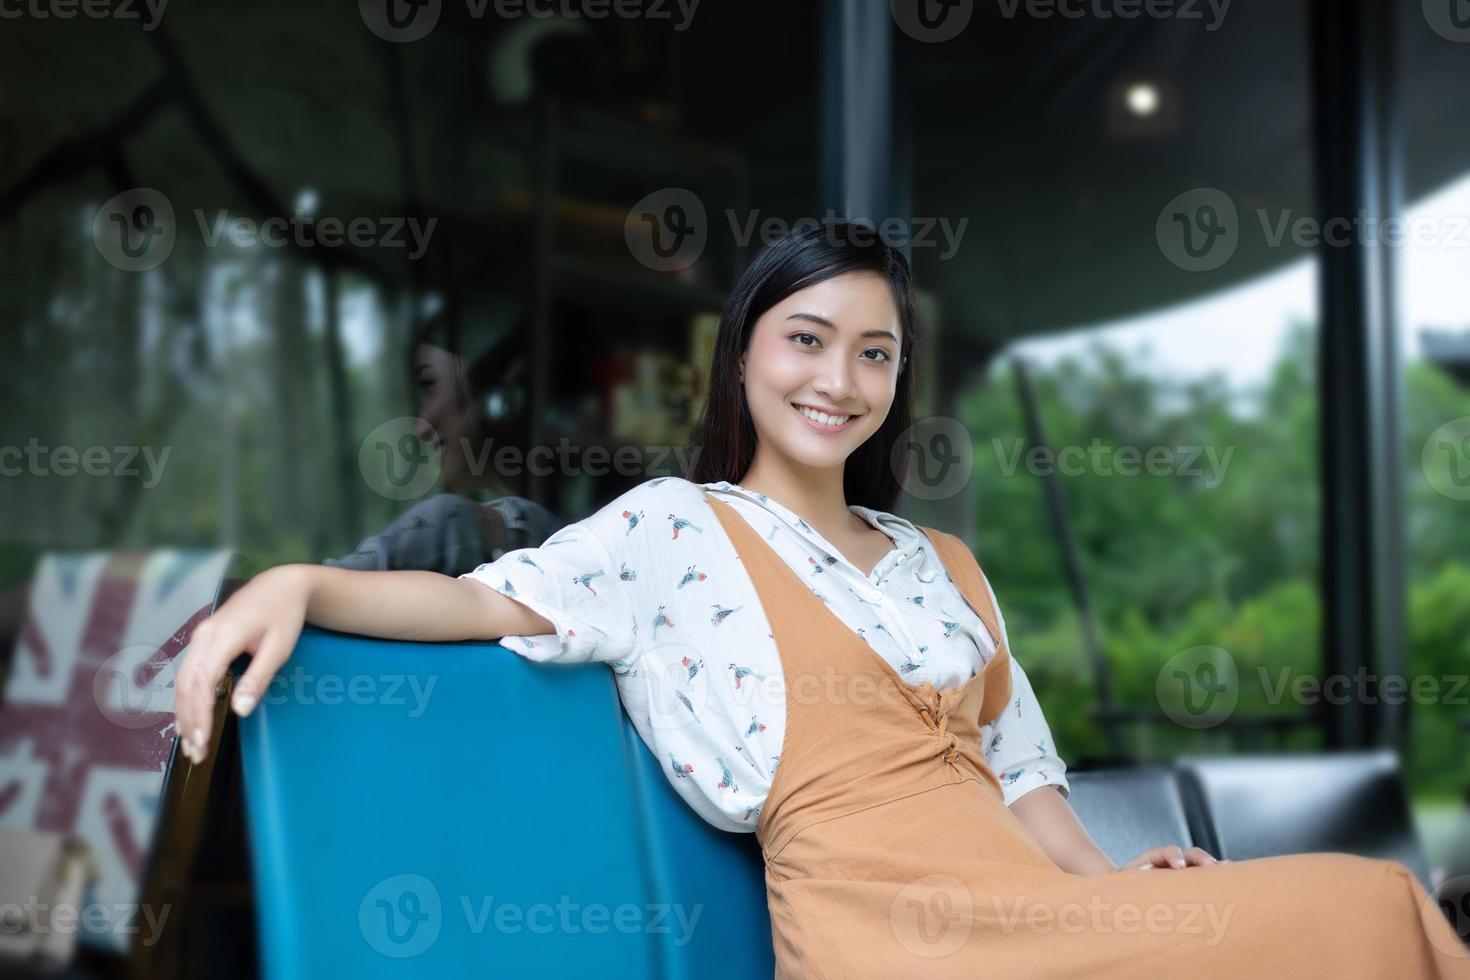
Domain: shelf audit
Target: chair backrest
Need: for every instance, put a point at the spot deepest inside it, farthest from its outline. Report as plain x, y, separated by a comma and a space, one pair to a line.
86, 726
1129, 810
458, 810
1263, 805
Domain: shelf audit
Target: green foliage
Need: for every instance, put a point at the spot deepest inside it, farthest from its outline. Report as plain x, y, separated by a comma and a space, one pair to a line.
1221, 549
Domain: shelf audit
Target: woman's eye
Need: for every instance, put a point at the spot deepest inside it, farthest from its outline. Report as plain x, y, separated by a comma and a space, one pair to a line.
798, 337
879, 350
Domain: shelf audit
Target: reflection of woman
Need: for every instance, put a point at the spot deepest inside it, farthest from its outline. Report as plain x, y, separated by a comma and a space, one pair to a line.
809, 667
471, 407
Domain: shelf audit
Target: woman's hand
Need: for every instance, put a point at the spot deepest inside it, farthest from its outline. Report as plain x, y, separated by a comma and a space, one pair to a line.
1171, 856
264, 619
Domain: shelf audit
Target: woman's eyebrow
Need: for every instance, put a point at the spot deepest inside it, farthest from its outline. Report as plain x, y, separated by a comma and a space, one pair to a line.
823, 321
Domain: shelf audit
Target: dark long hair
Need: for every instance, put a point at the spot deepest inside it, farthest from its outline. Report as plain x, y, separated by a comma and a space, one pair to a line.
809, 253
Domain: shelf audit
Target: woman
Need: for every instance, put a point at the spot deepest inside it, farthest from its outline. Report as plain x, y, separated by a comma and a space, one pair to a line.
808, 667
467, 414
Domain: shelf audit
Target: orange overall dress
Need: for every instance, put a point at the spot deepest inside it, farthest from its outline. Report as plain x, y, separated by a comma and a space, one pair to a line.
890, 853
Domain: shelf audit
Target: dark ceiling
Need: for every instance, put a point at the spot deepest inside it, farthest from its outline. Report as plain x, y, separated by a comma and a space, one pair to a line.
1014, 126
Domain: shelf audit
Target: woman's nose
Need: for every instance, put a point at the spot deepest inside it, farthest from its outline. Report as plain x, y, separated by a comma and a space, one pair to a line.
834, 384
423, 431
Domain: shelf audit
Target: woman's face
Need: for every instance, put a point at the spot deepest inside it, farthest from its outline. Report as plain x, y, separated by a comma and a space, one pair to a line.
446, 408
833, 347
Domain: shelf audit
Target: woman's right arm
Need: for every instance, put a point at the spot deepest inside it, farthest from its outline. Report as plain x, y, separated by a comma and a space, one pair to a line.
265, 617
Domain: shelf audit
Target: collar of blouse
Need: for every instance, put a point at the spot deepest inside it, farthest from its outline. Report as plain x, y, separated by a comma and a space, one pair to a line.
910, 539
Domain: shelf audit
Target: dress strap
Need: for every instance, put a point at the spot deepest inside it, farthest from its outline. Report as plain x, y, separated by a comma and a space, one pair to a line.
959, 561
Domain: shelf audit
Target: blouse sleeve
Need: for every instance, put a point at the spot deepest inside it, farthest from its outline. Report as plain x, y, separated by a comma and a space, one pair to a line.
572, 579
1019, 748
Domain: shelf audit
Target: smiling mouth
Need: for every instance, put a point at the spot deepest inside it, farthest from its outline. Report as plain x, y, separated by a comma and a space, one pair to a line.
805, 411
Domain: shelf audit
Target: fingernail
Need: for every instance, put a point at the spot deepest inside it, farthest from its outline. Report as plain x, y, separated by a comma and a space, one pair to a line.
198, 737
243, 703
1177, 862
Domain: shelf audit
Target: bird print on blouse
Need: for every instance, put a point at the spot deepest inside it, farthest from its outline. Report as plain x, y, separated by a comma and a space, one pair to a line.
670, 608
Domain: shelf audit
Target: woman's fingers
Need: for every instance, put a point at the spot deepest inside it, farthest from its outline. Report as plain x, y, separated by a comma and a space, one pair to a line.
1172, 856
205, 665
273, 651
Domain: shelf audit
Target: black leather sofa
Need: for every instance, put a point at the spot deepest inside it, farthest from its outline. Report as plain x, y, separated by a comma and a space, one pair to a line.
1249, 806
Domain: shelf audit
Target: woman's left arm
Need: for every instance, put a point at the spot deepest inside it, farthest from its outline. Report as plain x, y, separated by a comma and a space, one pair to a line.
1055, 826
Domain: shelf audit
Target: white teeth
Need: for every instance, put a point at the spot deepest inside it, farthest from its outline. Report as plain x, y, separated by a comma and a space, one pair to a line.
822, 417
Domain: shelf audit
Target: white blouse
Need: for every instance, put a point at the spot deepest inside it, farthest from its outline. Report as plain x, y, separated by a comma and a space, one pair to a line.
651, 585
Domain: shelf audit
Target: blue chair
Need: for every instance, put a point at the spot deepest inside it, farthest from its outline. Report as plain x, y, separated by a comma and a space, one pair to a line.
400, 797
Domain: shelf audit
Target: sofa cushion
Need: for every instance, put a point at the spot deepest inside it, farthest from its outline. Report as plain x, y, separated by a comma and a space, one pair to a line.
1264, 805
1129, 810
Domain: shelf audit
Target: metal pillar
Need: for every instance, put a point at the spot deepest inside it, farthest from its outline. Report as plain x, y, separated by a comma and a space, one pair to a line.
1357, 174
